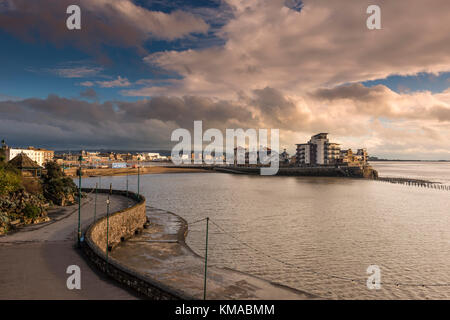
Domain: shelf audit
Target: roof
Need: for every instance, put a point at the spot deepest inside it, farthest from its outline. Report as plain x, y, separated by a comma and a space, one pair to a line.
322, 134
22, 161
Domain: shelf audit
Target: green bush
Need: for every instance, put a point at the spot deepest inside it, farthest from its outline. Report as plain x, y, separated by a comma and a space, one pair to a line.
10, 180
31, 211
56, 186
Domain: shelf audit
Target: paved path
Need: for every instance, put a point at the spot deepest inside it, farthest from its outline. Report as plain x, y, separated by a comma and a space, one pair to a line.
33, 261
160, 253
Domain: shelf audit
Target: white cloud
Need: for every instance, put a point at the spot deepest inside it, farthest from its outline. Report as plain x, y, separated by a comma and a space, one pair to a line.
119, 82
326, 44
76, 72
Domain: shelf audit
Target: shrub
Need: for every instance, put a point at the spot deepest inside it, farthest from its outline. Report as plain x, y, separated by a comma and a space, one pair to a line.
32, 185
31, 211
10, 180
56, 186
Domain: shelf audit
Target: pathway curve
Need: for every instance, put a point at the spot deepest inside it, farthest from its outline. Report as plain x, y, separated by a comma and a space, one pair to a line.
33, 261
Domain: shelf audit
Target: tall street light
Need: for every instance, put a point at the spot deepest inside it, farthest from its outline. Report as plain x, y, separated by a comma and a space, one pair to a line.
79, 201
139, 180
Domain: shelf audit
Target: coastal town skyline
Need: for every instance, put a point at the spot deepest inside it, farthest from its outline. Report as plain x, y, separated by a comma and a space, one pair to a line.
161, 65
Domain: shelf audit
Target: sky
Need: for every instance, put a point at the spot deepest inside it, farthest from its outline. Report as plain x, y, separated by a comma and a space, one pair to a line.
137, 70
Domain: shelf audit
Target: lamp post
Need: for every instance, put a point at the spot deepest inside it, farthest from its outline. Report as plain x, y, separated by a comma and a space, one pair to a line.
128, 201
139, 180
206, 258
79, 201
95, 202
107, 226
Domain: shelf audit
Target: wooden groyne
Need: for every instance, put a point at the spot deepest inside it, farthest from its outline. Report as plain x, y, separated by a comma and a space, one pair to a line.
415, 183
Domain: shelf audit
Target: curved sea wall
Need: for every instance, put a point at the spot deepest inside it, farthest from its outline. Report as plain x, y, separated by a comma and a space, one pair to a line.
123, 225
324, 171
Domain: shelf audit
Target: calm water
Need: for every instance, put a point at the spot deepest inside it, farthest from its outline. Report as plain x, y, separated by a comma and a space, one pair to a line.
318, 227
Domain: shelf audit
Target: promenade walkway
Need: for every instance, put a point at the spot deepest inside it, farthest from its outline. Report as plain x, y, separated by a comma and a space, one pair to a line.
33, 261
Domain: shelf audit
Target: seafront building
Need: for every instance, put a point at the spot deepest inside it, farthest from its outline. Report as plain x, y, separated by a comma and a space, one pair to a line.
320, 151
38, 155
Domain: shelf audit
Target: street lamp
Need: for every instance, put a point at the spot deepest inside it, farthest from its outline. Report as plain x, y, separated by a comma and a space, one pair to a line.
79, 201
139, 180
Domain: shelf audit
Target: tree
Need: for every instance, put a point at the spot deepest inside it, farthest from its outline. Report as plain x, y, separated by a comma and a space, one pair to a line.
56, 186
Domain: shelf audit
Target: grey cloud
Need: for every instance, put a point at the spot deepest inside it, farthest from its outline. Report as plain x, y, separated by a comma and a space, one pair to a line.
89, 93
69, 123
441, 113
104, 22
356, 91
59, 121
184, 110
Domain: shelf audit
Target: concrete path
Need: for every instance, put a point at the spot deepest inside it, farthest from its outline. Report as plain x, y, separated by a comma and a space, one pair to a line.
33, 261
160, 253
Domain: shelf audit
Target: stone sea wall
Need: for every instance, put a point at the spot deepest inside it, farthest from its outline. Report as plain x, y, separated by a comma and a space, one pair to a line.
324, 171
123, 225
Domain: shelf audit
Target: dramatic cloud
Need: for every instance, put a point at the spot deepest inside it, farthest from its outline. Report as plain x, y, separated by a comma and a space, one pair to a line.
408, 125
325, 44
63, 122
104, 22
293, 65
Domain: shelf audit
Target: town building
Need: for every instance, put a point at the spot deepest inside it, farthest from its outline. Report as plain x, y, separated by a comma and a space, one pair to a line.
38, 155
243, 156
154, 156
318, 151
284, 158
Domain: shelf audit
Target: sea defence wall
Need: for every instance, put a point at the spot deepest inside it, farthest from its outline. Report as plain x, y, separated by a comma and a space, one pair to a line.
325, 171
123, 225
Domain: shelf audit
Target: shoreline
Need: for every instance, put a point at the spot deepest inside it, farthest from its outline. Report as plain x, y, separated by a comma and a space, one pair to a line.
130, 171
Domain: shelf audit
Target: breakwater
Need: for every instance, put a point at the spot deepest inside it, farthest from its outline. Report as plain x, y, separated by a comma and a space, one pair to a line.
415, 183
325, 171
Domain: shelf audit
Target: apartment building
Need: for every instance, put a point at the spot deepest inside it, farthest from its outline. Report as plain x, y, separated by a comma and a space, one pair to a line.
38, 155
318, 151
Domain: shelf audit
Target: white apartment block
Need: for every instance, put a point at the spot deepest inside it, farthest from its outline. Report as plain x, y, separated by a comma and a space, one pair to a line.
40, 156
318, 151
